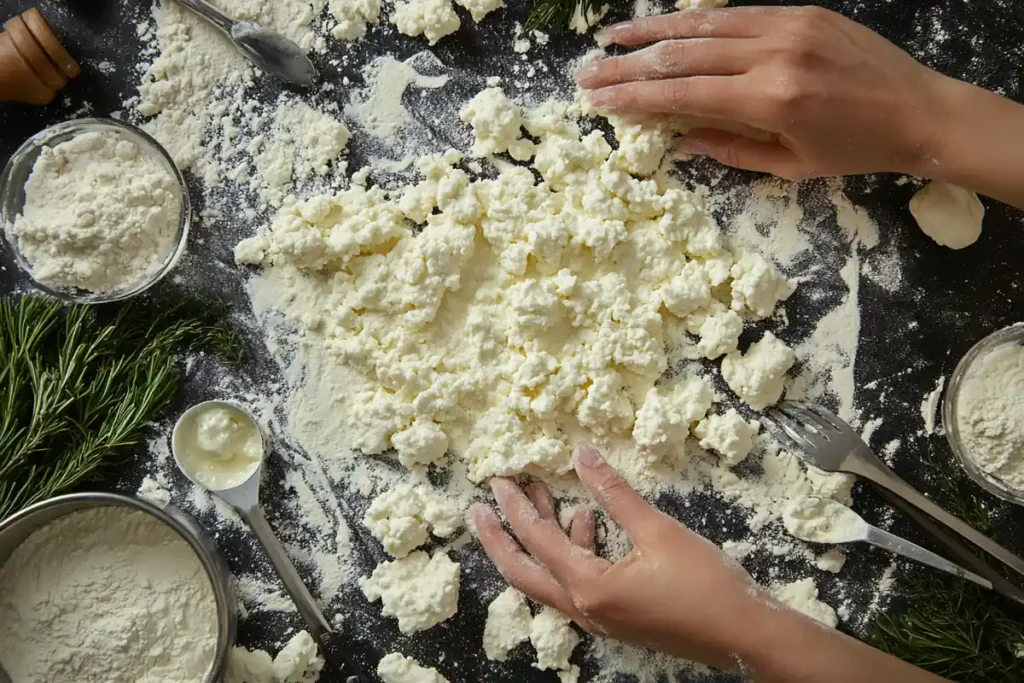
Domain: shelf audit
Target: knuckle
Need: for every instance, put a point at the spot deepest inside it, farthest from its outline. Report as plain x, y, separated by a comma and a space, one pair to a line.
810, 19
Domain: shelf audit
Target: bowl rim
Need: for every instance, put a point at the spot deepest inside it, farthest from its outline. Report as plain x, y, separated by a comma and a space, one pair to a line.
46, 135
950, 421
214, 564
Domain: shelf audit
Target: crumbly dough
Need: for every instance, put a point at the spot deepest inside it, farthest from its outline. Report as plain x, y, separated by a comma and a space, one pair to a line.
757, 376
481, 8
728, 434
664, 420
403, 517
802, 596
418, 590
821, 520
509, 623
497, 124
396, 668
948, 214
352, 17
100, 214
492, 318
434, 19
554, 639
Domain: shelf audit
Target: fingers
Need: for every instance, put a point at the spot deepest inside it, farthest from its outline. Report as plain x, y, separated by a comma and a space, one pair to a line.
516, 567
720, 97
543, 538
743, 152
736, 22
540, 495
583, 529
671, 59
626, 506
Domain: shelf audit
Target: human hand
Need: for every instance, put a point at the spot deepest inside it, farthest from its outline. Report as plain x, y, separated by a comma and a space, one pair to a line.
837, 97
675, 591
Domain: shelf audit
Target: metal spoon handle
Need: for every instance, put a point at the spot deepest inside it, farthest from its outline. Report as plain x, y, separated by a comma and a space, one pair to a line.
339, 665
901, 546
886, 478
211, 13
304, 600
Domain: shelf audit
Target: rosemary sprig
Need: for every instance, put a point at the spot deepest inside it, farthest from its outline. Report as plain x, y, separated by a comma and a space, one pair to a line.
556, 14
77, 390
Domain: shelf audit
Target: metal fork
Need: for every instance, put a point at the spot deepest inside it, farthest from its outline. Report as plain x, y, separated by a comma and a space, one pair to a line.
830, 444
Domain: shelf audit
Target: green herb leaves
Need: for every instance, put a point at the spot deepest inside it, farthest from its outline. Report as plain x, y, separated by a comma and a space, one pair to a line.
77, 390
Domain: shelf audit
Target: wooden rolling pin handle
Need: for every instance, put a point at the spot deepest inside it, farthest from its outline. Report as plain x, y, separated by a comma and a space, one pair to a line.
33, 63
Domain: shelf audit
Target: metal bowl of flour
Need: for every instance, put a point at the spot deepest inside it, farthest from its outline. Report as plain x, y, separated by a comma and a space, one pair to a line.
1014, 334
12, 201
18, 527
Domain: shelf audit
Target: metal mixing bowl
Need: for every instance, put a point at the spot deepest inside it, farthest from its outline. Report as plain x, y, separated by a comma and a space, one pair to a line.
15, 529
12, 201
1014, 334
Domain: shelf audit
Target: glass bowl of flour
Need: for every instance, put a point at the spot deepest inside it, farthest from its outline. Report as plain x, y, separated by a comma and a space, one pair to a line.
983, 413
94, 210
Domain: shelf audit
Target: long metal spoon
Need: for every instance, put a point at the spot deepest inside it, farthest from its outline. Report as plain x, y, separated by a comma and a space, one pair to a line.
244, 498
849, 527
268, 50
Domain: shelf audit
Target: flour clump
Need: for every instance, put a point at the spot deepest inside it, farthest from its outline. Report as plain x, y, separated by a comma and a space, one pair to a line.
404, 517
509, 623
100, 214
418, 590
395, 668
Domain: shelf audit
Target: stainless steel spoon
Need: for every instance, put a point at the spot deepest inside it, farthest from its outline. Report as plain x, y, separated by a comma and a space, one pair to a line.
268, 50
849, 527
244, 498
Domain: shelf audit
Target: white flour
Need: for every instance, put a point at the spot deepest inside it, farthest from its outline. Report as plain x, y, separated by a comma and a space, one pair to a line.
930, 406
100, 214
990, 413
108, 595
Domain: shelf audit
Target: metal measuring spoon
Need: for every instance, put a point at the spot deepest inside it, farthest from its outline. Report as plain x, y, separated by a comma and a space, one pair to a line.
268, 50
801, 516
244, 498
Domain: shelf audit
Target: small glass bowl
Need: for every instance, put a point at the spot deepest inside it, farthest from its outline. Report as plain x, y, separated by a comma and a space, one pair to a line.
12, 201
1014, 334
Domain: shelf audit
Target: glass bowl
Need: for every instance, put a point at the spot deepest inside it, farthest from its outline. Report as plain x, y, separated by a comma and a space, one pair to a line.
12, 201
1014, 334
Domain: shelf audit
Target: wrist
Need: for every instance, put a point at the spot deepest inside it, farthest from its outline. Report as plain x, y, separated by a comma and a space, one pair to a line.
935, 126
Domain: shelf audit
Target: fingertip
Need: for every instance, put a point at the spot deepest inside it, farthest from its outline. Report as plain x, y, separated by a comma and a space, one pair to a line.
586, 455
586, 74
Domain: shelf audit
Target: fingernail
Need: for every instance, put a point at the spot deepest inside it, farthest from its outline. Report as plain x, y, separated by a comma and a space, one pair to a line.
586, 72
602, 99
588, 456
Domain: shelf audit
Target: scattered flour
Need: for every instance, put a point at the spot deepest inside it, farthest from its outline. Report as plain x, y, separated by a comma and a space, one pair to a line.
100, 214
821, 520
930, 406
106, 589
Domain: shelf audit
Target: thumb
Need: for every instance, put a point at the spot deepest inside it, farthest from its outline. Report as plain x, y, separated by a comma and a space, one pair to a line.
740, 151
611, 491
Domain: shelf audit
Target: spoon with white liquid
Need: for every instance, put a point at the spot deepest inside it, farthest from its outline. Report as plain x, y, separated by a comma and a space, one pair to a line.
821, 520
220, 446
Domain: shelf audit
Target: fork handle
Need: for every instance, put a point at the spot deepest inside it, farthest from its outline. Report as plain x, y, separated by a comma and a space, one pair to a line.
886, 478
